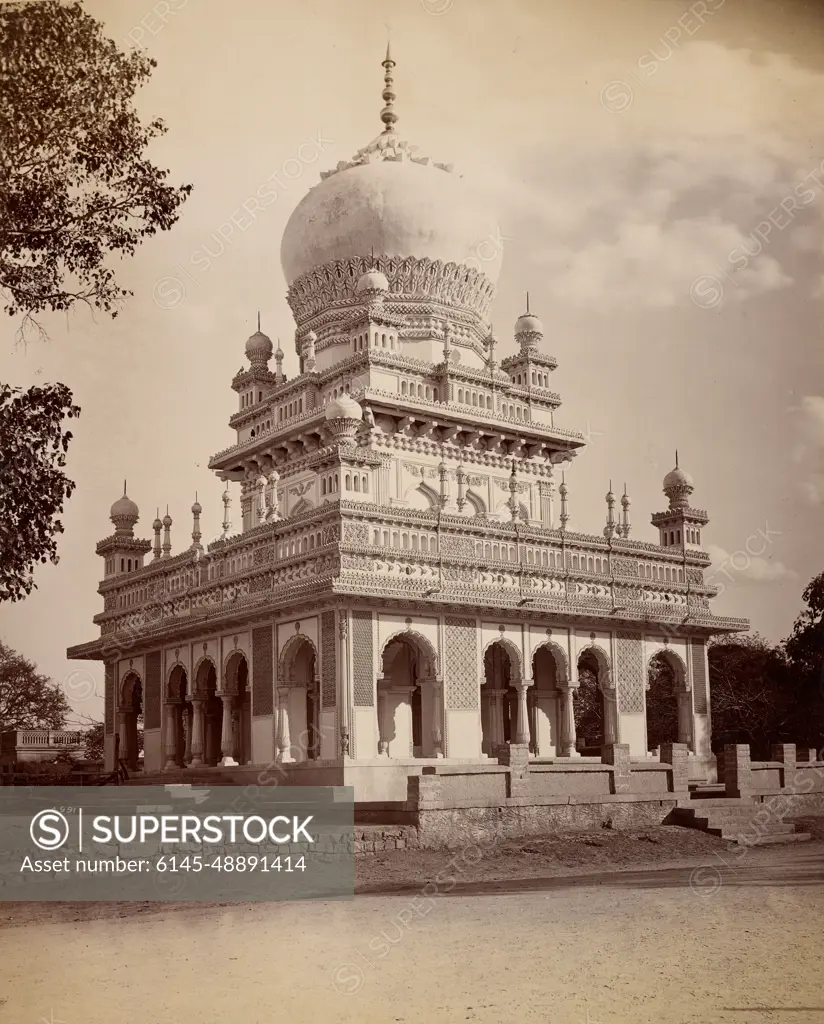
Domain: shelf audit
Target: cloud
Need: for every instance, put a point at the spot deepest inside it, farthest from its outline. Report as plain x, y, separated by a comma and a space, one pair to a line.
809, 448
741, 564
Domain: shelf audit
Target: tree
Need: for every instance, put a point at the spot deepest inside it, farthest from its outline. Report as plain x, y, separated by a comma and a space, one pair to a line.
28, 700
75, 184
33, 485
93, 742
805, 650
751, 694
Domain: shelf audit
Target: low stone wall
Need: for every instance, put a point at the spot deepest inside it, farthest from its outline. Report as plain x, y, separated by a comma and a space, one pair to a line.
790, 772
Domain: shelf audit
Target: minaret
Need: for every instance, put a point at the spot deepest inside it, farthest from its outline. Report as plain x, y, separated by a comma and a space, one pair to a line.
609, 529
227, 522
388, 115
279, 375
680, 526
123, 552
167, 534
563, 491
513, 487
625, 523
196, 510
157, 526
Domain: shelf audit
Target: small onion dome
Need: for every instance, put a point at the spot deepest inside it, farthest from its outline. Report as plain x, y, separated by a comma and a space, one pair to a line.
124, 508
278, 353
196, 508
167, 520
528, 324
259, 348
157, 525
677, 478
373, 281
344, 408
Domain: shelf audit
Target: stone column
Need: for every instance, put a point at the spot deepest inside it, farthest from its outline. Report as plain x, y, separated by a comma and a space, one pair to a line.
187, 751
737, 772
227, 740
437, 718
123, 730
676, 754
197, 731
170, 728
566, 716
685, 717
785, 753
383, 743
522, 719
284, 755
610, 699
496, 719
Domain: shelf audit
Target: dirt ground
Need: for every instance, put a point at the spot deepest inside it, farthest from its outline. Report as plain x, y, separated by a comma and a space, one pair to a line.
639, 943
408, 871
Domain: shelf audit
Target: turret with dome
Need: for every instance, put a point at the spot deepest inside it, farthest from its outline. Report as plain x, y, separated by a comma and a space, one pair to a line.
402, 583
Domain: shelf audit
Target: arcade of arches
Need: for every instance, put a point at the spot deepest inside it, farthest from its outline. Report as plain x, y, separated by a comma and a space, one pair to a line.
410, 713
297, 721
130, 715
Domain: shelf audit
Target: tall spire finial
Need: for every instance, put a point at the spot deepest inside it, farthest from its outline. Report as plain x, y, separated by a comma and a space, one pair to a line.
676, 458
258, 321
527, 302
124, 486
388, 115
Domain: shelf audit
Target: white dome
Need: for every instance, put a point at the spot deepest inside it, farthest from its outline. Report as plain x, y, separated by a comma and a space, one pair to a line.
393, 207
677, 478
344, 408
124, 508
373, 281
528, 323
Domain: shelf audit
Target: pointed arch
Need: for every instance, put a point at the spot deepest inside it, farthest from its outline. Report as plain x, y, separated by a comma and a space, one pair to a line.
512, 650
559, 656
291, 649
231, 668
429, 493
131, 686
477, 503
604, 667
200, 677
177, 675
675, 662
430, 662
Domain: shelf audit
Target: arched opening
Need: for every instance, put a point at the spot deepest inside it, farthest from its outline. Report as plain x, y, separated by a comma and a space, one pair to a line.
499, 698
179, 709
131, 721
408, 700
593, 704
236, 711
298, 724
207, 716
543, 700
668, 704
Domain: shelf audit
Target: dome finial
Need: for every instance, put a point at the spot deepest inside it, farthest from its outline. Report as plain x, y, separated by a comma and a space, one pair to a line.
258, 320
388, 115
676, 458
527, 303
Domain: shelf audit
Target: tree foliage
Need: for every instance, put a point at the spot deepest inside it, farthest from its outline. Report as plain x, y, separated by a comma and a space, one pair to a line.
75, 184
751, 693
28, 700
93, 742
662, 704
805, 650
33, 486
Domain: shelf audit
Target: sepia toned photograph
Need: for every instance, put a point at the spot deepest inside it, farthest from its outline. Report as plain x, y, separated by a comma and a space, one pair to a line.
411, 479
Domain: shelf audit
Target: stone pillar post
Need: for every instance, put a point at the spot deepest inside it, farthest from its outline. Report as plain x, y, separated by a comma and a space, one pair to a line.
190, 717
610, 699
522, 719
785, 753
227, 739
685, 717
617, 754
123, 731
437, 718
284, 755
197, 731
737, 774
496, 720
383, 743
170, 730
566, 717
676, 754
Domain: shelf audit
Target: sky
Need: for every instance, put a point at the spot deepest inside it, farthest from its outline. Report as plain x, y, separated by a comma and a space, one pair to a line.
657, 171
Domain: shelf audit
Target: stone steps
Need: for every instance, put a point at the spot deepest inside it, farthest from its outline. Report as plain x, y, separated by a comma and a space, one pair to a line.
737, 820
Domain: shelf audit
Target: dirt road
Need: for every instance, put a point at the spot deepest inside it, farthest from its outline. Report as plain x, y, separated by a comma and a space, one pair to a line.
743, 946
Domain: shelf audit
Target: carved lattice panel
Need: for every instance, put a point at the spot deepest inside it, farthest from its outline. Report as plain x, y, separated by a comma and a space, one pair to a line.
151, 696
461, 658
362, 659
699, 677
263, 683
328, 669
109, 697
630, 666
